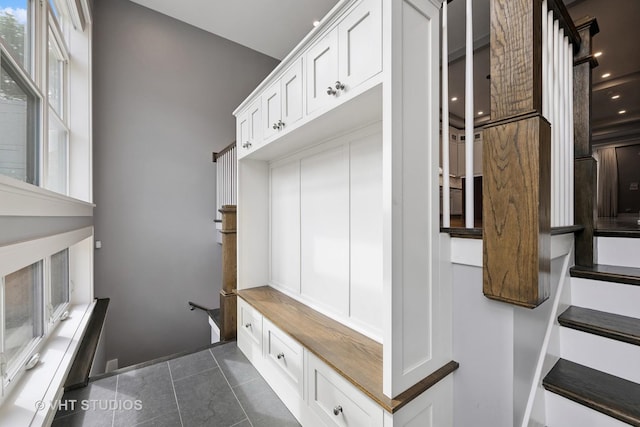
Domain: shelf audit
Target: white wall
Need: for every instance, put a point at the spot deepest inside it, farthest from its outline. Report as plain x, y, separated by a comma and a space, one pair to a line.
483, 345
163, 96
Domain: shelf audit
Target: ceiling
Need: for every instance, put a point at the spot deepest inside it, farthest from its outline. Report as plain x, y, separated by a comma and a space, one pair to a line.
274, 27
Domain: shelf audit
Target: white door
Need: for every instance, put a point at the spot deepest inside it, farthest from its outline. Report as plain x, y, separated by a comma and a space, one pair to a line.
360, 41
291, 90
272, 110
322, 71
242, 133
255, 124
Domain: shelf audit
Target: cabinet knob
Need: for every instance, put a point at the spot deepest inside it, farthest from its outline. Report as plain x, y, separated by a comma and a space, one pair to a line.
247, 325
337, 410
331, 91
280, 124
280, 356
339, 86
246, 145
275, 126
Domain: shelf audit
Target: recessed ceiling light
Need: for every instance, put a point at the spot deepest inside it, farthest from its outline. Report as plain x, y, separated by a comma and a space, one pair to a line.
597, 54
454, 99
316, 23
622, 111
480, 113
615, 97
605, 75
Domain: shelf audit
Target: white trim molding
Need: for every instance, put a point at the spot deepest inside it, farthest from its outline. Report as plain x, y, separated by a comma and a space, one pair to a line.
18, 198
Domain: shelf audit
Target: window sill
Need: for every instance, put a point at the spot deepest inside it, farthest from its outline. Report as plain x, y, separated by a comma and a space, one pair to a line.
18, 198
33, 399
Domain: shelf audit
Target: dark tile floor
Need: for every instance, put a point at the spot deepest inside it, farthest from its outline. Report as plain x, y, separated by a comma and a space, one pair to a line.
214, 387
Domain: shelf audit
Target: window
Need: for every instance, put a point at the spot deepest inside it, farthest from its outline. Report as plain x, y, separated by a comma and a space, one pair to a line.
58, 284
19, 118
58, 141
15, 30
22, 320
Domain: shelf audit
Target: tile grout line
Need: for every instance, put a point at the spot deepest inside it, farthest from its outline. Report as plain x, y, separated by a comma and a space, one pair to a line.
173, 386
232, 391
115, 398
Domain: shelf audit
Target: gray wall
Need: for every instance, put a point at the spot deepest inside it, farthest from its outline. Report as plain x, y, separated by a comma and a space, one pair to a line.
163, 96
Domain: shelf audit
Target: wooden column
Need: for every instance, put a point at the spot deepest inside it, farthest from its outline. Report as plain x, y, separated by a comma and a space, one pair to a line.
516, 160
585, 187
228, 295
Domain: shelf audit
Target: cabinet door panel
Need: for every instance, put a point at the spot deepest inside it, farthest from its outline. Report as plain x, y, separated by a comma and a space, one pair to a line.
324, 192
272, 109
285, 226
242, 134
292, 94
477, 157
322, 71
366, 233
255, 124
360, 41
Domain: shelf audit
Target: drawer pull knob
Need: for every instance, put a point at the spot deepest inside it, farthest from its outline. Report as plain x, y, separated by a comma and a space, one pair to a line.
331, 91
280, 356
247, 325
337, 410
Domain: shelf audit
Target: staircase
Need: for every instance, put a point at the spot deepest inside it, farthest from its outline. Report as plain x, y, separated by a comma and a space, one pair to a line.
596, 381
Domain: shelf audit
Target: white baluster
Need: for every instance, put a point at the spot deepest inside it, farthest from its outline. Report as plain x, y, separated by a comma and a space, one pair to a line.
571, 140
446, 214
545, 62
468, 120
555, 201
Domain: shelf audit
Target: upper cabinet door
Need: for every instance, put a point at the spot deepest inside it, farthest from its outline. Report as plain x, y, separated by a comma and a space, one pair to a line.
291, 91
272, 110
249, 129
322, 71
242, 132
360, 40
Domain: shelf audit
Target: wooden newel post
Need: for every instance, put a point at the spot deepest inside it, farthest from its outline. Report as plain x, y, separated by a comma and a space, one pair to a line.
516, 160
585, 189
228, 297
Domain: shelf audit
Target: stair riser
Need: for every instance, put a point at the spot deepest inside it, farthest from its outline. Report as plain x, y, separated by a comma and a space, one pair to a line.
618, 251
616, 298
604, 354
563, 412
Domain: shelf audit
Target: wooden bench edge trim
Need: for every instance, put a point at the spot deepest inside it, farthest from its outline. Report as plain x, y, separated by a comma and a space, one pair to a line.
78, 375
386, 403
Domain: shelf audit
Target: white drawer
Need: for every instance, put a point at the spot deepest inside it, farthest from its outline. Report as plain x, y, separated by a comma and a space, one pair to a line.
285, 355
249, 324
337, 402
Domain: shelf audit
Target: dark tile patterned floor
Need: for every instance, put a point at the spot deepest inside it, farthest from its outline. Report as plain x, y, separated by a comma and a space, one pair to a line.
214, 387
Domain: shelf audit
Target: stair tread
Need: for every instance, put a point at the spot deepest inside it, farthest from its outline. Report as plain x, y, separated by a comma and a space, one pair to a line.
610, 273
614, 326
611, 395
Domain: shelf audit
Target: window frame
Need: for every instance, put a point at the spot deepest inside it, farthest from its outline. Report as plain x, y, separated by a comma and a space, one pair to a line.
54, 314
35, 114
55, 39
12, 373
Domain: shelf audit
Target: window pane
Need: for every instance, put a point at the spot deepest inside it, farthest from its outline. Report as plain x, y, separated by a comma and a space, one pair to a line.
59, 279
15, 29
18, 152
56, 75
23, 308
57, 160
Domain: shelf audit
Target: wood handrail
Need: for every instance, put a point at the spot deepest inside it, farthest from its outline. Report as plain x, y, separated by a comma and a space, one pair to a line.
219, 154
564, 19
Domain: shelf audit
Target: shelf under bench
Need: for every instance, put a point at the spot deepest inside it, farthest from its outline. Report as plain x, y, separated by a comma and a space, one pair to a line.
354, 356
